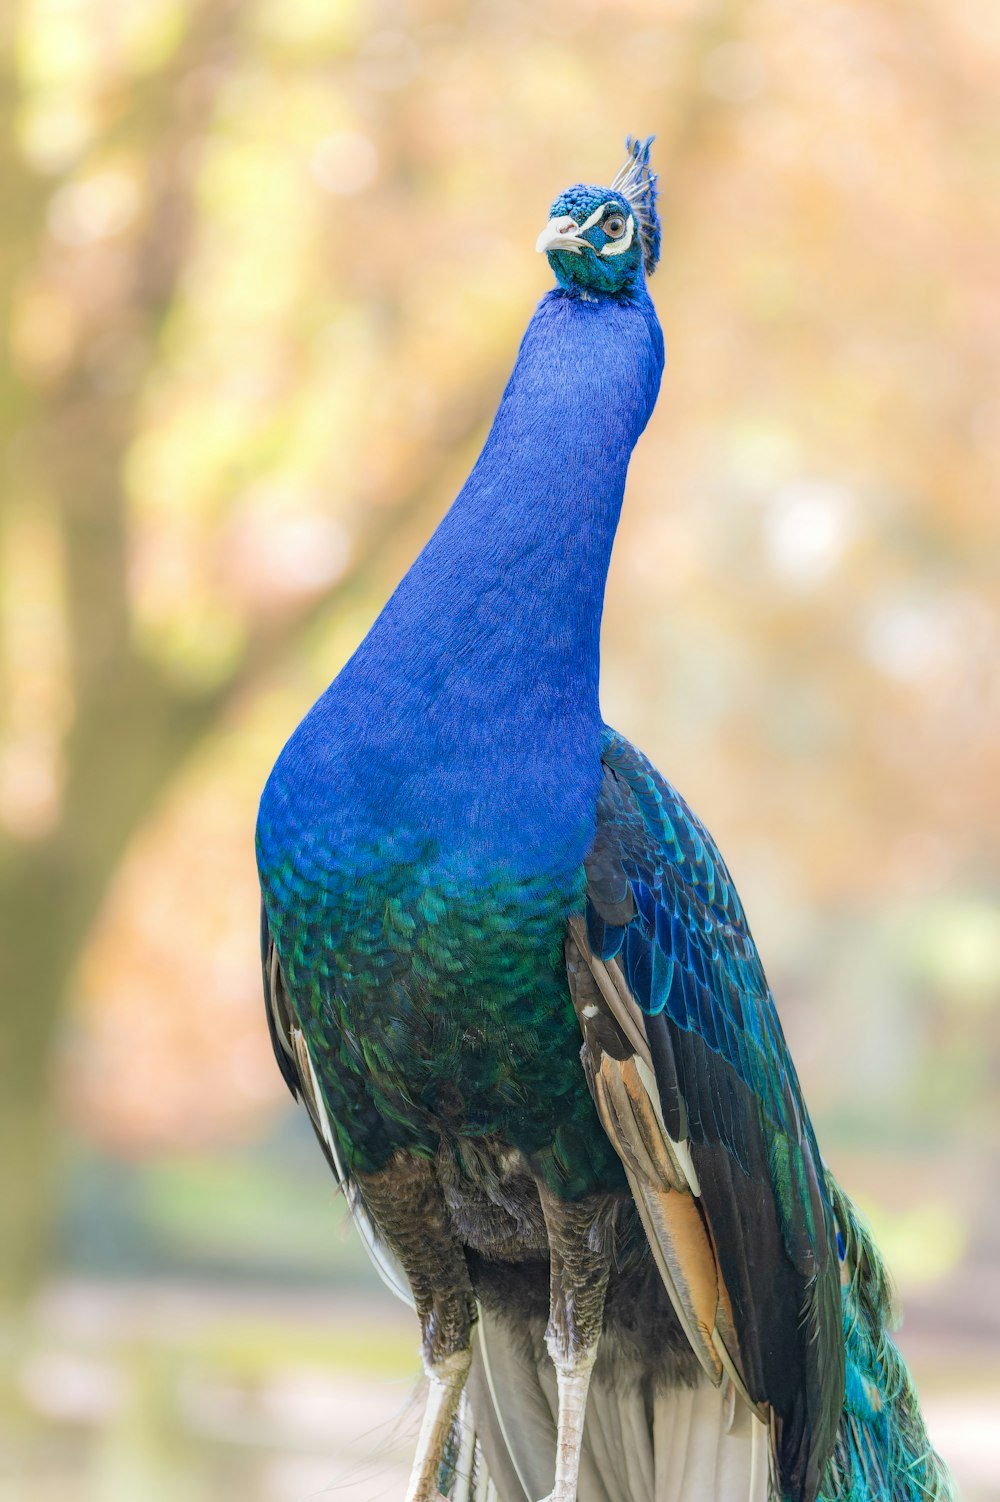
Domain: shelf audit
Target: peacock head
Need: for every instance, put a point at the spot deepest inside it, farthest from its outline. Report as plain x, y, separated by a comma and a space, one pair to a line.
606, 240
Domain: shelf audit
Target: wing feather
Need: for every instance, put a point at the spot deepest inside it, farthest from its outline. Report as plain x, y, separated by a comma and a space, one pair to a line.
296, 1065
696, 1089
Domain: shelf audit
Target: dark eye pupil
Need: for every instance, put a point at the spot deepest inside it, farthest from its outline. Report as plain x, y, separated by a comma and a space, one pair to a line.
614, 225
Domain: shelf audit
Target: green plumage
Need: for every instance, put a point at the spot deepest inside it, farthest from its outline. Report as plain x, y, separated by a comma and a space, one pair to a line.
882, 1452
424, 1006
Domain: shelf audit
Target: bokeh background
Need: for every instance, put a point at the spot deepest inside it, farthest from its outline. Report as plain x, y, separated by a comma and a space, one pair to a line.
264, 265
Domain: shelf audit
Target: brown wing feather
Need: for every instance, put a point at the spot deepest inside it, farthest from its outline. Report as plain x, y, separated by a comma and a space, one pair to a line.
661, 1175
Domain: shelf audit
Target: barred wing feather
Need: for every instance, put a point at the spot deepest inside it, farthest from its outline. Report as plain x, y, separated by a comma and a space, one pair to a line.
694, 1084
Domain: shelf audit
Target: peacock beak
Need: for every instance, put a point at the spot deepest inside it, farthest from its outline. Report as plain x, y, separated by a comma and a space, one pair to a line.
560, 234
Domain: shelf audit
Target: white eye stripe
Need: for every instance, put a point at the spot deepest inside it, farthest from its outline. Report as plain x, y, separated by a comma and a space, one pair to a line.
589, 223
615, 247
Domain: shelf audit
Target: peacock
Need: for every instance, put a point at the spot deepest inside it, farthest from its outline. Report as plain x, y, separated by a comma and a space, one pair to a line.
509, 976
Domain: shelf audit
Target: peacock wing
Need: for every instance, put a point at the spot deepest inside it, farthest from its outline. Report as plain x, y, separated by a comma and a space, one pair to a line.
695, 1087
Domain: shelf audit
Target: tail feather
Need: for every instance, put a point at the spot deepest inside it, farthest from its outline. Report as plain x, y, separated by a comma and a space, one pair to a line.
512, 1414
649, 1446
882, 1453
707, 1448
652, 1444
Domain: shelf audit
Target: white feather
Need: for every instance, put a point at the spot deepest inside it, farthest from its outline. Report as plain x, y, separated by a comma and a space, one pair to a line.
385, 1264
681, 1148
592, 220
700, 1447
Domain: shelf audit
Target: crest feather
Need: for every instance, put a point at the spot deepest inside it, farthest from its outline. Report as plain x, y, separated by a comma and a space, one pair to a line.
636, 181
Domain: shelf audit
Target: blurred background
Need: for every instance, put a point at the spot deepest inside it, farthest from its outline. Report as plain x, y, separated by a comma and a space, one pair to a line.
264, 266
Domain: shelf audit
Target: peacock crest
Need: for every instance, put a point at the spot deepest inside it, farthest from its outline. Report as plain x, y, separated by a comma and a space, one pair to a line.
636, 181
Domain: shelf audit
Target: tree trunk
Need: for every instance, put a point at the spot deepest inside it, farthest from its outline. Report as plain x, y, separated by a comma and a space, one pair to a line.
36, 957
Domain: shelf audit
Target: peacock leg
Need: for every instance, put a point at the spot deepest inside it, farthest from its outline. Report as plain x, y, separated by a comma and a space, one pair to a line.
447, 1380
408, 1208
580, 1248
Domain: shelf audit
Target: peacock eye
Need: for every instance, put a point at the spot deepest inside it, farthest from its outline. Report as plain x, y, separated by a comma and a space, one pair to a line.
614, 226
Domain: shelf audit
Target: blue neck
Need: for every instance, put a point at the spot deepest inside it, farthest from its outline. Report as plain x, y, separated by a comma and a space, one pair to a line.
473, 701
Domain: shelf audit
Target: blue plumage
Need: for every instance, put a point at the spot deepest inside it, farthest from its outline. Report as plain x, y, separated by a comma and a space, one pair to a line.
464, 874
491, 642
